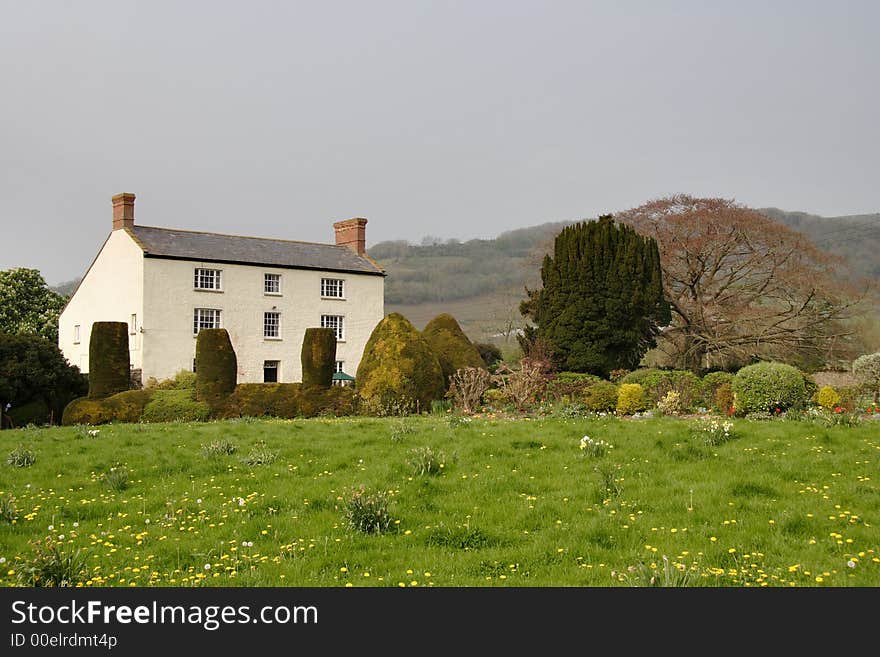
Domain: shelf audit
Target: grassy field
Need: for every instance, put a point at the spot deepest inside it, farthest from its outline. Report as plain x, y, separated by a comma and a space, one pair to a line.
517, 503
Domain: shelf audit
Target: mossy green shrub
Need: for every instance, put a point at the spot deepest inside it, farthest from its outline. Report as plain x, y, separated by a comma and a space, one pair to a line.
711, 382
216, 366
601, 397
570, 386
631, 399
318, 357
109, 369
656, 383
452, 347
183, 380
398, 365
287, 400
765, 387
125, 406
175, 406
36, 411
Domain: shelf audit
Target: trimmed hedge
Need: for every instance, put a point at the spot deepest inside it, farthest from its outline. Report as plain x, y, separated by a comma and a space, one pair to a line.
175, 406
109, 368
287, 400
399, 366
125, 406
452, 347
318, 357
765, 387
216, 366
183, 380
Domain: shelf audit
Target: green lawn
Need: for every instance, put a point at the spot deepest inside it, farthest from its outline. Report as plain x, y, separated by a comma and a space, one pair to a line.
516, 504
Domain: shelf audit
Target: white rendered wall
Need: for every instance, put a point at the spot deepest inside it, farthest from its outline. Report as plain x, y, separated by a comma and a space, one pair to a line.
111, 291
169, 302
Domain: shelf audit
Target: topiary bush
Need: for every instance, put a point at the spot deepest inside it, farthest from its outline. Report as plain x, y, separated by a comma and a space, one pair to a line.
318, 357
657, 383
630, 399
765, 387
175, 406
287, 400
452, 347
601, 397
216, 366
827, 398
399, 365
125, 406
109, 368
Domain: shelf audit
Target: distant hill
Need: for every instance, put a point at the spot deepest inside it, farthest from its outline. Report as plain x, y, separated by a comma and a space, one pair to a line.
450, 270
855, 238
481, 281
67, 287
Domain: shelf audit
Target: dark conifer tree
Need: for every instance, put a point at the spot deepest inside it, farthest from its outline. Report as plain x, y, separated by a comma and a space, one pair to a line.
601, 304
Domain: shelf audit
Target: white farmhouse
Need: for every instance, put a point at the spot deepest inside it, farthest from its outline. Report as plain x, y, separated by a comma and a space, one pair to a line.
168, 284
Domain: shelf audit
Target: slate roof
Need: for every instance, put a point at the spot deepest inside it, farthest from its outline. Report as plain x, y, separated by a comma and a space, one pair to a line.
234, 249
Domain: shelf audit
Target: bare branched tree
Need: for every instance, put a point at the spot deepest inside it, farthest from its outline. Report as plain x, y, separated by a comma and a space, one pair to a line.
467, 386
742, 286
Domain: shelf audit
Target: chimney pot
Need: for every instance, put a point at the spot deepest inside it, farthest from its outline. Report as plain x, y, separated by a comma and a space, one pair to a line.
123, 211
353, 234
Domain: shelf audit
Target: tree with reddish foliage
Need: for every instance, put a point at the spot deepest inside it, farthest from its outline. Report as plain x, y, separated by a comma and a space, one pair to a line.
741, 286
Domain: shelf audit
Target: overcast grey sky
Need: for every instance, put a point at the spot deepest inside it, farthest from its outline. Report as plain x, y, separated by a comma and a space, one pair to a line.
457, 119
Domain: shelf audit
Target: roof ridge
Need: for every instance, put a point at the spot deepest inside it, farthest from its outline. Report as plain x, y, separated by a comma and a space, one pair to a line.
245, 237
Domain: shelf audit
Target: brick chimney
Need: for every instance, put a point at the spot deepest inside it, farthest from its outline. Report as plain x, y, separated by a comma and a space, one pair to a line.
123, 211
353, 234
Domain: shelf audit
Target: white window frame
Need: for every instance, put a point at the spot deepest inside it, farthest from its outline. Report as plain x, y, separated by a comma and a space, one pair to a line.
267, 325
277, 370
330, 285
339, 366
201, 277
76, 333
133, 324
337, 323
276, 277
199, 315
